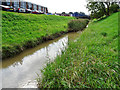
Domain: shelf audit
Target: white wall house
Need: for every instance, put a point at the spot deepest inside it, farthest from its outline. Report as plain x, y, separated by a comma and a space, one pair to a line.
29, 5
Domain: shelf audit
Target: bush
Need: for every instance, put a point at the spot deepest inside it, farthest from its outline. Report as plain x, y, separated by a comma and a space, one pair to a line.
114, 8
78, 24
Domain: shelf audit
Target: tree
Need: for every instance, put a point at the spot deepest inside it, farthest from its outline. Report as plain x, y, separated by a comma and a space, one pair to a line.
63, 12
70, 12
99, 9
114, 8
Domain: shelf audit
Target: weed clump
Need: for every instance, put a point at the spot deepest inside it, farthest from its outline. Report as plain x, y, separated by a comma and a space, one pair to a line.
104, 34
78, 24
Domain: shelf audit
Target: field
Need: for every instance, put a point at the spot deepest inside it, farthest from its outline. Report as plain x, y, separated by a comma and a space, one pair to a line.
90, 62
21, 31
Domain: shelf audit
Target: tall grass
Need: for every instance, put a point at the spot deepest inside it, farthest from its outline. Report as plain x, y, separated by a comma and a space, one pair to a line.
0, 43
91, 62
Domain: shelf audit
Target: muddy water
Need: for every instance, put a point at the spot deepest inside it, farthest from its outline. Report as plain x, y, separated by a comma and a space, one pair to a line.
21, 71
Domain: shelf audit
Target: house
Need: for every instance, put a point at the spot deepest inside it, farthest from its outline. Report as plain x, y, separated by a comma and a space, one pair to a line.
22, 6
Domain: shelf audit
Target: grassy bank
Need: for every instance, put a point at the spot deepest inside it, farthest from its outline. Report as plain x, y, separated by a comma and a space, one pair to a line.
21, 31
90, 62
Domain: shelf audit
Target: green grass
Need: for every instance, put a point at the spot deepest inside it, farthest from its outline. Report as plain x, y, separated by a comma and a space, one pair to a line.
19, 30
0, 34
91, 62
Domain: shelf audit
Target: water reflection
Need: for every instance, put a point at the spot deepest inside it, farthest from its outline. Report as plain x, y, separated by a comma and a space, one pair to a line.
21, 70
25, 70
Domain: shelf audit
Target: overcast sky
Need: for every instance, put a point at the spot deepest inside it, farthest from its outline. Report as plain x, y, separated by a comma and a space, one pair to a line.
63, 5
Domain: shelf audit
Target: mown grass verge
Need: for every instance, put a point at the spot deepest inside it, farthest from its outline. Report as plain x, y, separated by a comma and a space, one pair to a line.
21, 31
90, 62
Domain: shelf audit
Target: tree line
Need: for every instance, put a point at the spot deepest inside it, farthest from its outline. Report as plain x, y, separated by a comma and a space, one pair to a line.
99, 9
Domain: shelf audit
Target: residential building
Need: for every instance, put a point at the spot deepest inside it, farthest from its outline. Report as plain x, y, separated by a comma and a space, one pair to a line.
21, 4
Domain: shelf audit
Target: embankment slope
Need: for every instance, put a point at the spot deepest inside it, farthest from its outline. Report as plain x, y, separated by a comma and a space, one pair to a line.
90, 62
21, 31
